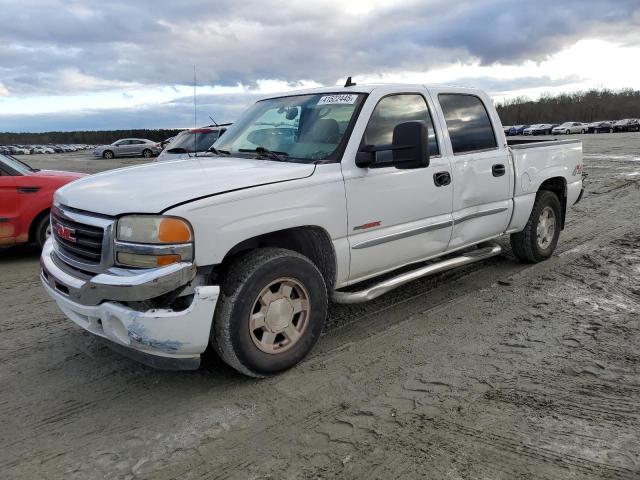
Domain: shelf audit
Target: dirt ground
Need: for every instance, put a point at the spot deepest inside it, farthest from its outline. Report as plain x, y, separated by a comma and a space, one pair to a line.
497, 371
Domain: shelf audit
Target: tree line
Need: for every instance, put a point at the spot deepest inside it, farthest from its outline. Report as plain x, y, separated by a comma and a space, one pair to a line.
586, 106
100, 137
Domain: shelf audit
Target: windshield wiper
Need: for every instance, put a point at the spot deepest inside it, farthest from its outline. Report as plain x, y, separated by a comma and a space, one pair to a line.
218, 152
265, 152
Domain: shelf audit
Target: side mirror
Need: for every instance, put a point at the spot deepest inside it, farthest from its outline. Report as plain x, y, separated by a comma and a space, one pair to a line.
409, 148
409, 145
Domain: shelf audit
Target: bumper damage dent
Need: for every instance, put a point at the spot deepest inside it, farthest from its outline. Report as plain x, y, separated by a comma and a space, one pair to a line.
161, 338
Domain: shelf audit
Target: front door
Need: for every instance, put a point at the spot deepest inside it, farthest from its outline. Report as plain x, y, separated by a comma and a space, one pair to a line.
9, 208
395, 216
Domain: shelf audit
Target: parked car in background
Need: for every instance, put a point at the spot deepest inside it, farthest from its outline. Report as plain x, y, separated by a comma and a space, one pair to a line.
507, 129
192, 142
26, 195
167, 141
517, 129
128, 147
627, 125
600, 127
539, 129
570, 127
20, 150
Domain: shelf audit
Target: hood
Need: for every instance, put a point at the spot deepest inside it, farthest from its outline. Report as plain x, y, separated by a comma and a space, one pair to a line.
154, 187
58, 174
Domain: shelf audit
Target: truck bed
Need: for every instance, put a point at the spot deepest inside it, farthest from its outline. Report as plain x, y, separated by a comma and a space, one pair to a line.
536, 161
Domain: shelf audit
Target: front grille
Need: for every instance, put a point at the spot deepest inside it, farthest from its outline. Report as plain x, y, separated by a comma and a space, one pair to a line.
87, 243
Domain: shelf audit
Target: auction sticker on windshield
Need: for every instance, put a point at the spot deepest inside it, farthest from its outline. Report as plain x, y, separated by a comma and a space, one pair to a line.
344, 99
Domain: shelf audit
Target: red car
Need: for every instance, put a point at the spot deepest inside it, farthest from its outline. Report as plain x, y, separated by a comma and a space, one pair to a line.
26, 195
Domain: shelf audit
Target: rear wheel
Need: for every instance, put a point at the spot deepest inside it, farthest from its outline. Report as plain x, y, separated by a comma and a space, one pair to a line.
538, 239
108, 154
272, 307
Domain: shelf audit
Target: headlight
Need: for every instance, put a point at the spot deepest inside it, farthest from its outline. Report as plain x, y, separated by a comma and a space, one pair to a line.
152, 241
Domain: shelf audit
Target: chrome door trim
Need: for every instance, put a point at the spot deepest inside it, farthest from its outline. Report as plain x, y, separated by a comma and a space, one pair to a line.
407, 233
482, 213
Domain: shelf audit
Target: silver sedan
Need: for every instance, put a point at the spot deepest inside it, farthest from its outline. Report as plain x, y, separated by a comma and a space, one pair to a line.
128, 147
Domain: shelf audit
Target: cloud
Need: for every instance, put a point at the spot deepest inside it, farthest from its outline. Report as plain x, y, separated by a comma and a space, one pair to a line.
233, 42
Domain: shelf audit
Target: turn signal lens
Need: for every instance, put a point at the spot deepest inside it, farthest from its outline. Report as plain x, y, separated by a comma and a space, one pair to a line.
146, 261
174, 230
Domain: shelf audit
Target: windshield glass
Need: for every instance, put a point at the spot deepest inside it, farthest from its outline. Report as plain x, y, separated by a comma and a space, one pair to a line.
194, 141
15, 164
301, 128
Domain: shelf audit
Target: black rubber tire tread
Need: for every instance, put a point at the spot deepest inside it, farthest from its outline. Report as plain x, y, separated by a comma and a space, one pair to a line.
104, 154
524, 244
234, 290
40, 231
147, 150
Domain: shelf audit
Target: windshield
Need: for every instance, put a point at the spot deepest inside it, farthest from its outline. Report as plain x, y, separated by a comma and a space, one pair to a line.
304, 128
15, 164
200, 139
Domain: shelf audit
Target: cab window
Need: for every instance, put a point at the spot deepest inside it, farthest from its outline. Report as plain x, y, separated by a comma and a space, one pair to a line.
468, 123
393, 110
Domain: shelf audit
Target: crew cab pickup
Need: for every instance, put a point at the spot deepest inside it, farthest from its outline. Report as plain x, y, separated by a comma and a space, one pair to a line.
307, 196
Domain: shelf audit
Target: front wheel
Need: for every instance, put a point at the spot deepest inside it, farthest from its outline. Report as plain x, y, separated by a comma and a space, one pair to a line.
42, 231
539, 238
271, 310
147, 153
108, 154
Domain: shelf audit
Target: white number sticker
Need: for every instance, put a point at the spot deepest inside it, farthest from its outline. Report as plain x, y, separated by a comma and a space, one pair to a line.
341, 99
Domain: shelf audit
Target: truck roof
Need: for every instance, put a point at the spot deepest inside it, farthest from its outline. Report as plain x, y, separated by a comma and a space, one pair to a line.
368, 88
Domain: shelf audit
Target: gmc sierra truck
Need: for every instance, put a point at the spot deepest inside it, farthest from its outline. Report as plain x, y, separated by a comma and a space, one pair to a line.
337, 194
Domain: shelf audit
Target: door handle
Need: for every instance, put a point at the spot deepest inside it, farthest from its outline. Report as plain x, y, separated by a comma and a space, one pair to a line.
28, 189
498, 170
441, 179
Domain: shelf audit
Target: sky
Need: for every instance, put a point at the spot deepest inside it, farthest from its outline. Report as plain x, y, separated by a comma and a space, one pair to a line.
108, 64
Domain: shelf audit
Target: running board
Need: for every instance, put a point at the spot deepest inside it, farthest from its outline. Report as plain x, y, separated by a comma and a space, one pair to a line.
395, 282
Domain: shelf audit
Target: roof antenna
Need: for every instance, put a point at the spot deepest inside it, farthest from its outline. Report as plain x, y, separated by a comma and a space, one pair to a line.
349, 83
214, 122
195, 114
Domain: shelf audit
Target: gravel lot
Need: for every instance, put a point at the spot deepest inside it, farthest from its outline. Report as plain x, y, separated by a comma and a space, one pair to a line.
499, 370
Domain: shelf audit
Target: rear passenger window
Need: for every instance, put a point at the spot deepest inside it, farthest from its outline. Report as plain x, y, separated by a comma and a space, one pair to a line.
393, 110
467, 122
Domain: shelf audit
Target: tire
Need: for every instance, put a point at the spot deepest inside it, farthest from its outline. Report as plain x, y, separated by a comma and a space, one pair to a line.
42, 231
583, 131
567, 132
527, 245
146, 153
108, 154
246, 299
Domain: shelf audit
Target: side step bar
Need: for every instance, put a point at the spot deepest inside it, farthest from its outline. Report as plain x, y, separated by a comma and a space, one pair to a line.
395, 282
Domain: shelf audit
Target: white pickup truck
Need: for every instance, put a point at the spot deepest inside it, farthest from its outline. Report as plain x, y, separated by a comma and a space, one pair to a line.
305, 197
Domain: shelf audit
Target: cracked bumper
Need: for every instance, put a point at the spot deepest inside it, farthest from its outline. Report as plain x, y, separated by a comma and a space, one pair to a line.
160, 338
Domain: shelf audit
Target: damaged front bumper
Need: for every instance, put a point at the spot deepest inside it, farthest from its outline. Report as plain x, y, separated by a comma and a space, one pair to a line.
162, 338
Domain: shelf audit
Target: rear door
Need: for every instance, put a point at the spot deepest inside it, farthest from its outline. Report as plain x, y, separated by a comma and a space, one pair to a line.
481, 164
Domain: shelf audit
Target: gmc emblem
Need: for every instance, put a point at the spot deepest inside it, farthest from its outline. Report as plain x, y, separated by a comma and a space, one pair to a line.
65, 233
